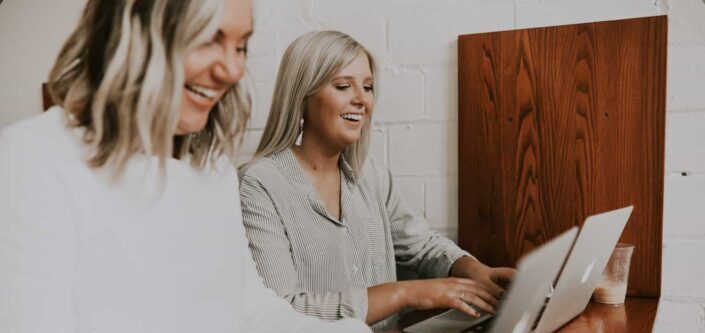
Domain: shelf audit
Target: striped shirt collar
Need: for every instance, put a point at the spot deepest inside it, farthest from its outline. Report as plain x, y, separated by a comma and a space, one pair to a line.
289, 164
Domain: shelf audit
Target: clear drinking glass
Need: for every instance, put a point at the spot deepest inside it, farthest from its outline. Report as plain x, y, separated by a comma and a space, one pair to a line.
612, 288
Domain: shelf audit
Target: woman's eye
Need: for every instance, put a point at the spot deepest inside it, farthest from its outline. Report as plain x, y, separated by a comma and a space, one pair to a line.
242, 48
342, 87
369, 88
209, 43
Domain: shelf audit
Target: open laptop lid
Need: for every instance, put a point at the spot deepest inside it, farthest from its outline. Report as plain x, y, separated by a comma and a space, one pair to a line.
536, 272
527, 294
583, 268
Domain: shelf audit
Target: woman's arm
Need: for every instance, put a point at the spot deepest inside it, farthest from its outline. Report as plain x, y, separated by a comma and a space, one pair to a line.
420, 249
389, 298
416, 246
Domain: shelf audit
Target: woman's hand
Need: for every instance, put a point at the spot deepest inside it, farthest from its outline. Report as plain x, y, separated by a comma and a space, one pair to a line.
494, 279
455, 293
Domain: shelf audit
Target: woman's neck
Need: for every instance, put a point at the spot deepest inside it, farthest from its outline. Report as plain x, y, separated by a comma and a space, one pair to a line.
316, 159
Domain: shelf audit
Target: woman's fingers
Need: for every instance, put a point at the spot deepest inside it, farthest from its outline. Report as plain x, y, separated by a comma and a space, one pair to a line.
464, 307
504, 275
488, 284
477, 301
493, 288
490, 293
485, 296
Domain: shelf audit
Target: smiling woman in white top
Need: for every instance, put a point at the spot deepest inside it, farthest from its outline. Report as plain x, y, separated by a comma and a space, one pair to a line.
327, 227
118, 207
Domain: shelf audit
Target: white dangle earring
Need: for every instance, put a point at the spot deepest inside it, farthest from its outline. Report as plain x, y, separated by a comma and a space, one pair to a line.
301, 133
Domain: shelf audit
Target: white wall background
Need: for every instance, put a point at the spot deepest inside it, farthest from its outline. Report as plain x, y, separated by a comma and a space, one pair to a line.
416, 116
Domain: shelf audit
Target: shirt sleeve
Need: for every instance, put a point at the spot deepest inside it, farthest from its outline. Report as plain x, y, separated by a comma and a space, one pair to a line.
37, 243
416, 246
271, 250
269, 312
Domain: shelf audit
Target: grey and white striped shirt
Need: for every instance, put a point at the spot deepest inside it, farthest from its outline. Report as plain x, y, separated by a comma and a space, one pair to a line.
323, 265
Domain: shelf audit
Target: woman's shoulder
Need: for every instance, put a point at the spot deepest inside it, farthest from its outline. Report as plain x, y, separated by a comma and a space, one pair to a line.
261, 170
256, 168
43, 136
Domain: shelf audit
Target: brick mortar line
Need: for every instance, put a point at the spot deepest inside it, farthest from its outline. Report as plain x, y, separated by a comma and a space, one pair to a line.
686, 111
682, 238
684, 299
686, 43
689, 174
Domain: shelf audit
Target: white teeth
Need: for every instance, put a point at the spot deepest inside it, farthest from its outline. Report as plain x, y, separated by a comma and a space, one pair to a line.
352, 116
202, 91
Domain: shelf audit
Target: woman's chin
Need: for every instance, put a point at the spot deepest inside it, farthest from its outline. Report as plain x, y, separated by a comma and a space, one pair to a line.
191, 126
349, 141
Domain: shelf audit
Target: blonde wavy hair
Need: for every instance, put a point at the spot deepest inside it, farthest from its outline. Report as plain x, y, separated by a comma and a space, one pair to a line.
309, 63
120, 77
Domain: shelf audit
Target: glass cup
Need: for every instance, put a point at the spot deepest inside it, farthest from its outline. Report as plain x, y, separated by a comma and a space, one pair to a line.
612, 288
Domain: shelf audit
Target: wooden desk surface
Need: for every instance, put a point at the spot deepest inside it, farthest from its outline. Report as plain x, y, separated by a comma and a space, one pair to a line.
637, 315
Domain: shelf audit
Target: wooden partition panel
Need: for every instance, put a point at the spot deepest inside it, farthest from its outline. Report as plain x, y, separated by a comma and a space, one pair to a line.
47, 101
559, 123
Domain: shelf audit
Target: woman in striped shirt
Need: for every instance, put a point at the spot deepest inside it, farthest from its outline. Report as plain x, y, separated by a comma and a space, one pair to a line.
327, 227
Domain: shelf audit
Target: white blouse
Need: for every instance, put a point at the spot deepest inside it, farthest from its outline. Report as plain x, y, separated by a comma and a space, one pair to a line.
80, 252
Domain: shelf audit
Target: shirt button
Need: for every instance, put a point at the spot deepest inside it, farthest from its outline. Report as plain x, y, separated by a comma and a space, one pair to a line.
345, 230
356, 268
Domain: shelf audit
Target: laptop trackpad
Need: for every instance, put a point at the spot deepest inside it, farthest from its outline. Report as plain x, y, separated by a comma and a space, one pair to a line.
447, 322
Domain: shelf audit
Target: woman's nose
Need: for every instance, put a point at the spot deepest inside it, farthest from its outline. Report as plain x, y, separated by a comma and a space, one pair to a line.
360, 99
230, 67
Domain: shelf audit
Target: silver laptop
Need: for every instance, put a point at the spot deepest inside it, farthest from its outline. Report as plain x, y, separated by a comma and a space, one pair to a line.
525, 299
578, 279
583, 268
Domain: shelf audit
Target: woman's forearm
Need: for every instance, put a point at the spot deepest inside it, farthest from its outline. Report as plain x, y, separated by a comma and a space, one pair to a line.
384, 300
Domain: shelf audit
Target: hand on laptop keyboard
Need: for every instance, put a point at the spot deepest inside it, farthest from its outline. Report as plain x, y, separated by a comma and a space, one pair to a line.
454, 293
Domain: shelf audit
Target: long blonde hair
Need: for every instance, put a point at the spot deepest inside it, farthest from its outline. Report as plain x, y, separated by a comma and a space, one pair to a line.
308, 64
120, 76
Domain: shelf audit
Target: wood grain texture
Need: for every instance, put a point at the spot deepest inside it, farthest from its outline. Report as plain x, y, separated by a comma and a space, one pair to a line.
557, 124
47, 101
636, 315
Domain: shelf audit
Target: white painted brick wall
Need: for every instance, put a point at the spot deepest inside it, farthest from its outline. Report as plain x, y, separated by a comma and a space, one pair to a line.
539, 13
441, 204
31, 34
415, 42
686, 20
441, 93
680, 315
684, 276
686, 65
405, 101
430, 36
424, 149
412, 190
684, 206
365, 30
685, 133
